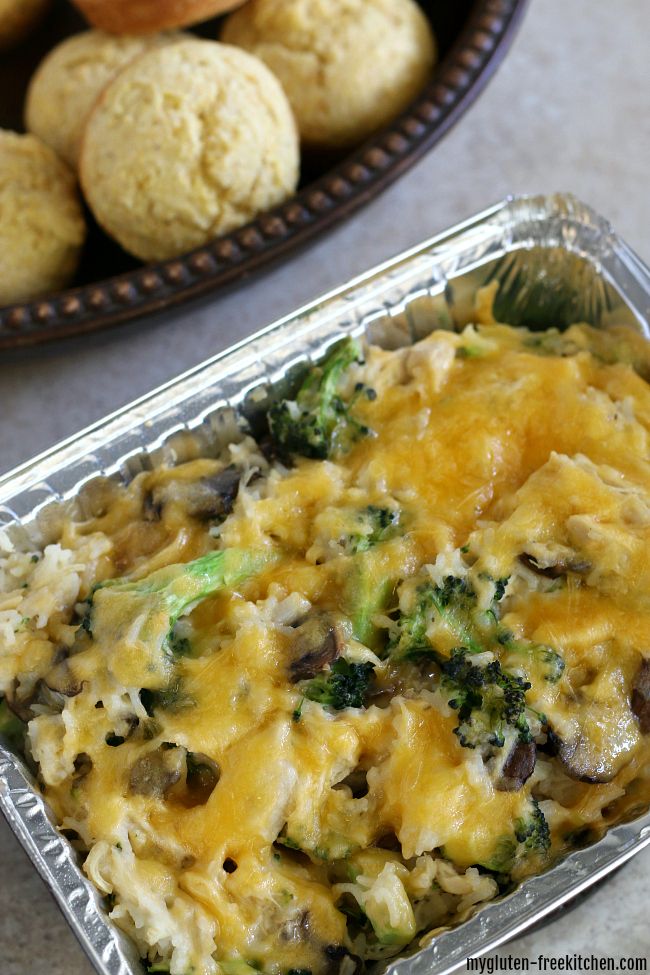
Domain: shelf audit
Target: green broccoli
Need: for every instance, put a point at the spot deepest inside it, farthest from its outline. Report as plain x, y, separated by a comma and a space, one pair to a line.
345, 685
410, 636
319, 423
488, 701
157, 601
455, 602
366, 591
540, 657
532, 831
452, 610
171, 698
452, 606
531, 836
373, 526
143, 613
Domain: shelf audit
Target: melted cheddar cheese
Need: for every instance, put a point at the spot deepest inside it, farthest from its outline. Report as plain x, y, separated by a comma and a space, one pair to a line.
470, 571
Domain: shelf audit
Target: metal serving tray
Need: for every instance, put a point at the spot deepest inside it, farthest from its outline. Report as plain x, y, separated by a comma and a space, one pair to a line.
556, 262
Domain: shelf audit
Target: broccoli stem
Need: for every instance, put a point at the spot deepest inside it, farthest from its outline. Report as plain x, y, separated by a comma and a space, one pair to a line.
137, 617
366, 592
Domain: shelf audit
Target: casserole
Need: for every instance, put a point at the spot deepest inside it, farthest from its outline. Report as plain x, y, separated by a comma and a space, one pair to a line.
412, 315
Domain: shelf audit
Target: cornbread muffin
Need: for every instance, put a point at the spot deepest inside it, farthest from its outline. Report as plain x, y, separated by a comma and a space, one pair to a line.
347, 66
17, 18
67, 83
146, 16
188, 142
42, 228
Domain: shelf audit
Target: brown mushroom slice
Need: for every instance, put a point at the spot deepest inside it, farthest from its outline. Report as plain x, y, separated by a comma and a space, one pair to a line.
83, 765
558, 569
21, 706
155, 773
317, 643
593, 727
297, 928
518, 767
201, 778
61, 680
601, 742
208, 499
640, 699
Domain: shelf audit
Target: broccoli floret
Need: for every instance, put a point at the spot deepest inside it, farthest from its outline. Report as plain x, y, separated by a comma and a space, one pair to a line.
532, 832
345, 685
455, 602
453, 605
488, 701
319, 423
179, 646
500, 586
142, 613
410, 637
540, 657
375, 525
170, 698
531, 837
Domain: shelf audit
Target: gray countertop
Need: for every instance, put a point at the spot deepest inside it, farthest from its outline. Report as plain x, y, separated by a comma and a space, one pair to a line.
567, 111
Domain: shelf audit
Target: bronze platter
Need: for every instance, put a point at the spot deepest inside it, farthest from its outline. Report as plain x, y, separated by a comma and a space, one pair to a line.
112, 288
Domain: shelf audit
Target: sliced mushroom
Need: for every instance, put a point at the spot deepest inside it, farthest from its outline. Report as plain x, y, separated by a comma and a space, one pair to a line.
214, 497
155, 773
20, 706
597, 730
297, 928
61, 680
583, 762
518, 767
556, 571
640, 700
83, 764
202, 775
50, 693
317, 643
208, 499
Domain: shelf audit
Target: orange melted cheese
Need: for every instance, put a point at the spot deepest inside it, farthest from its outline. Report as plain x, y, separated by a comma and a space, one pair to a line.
492, 446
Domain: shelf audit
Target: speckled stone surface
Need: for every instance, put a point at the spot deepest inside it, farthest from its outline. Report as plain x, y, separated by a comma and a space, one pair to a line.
567, 111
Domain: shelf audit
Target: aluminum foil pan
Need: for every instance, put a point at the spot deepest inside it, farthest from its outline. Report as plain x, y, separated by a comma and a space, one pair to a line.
555, 262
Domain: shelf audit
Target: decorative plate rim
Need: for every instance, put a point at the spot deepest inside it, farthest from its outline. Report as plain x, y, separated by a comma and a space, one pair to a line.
457, 80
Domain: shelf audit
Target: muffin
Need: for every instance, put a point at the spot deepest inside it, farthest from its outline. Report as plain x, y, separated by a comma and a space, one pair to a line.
66, 85
188, 142
147, 16
17, 18
42, 228
348, 66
